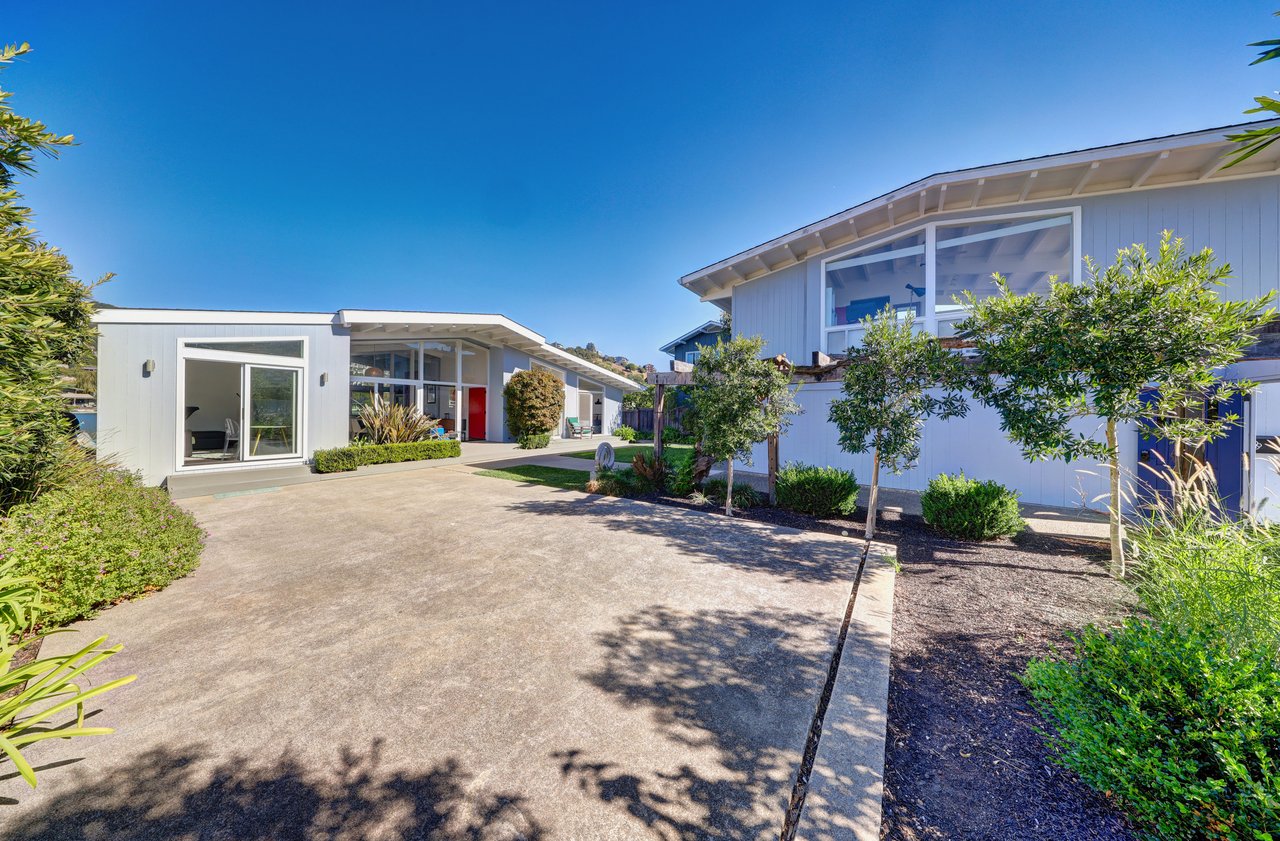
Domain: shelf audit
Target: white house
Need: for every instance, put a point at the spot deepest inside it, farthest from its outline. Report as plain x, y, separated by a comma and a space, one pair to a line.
189, 391
916, 247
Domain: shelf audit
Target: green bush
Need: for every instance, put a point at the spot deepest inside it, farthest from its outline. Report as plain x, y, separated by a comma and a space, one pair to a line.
817, 491
1195, 570
1179, 728
744, 496
969, 509
674, 435
535, 400
102, 538
617, 482
682, 463
534, 441
625, 432
349, 458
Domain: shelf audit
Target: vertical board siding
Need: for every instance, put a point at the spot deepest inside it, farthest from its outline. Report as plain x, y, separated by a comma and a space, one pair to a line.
774, 308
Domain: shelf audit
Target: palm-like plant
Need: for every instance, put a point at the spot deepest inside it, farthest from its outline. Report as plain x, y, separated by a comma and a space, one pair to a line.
33, 695
387, 422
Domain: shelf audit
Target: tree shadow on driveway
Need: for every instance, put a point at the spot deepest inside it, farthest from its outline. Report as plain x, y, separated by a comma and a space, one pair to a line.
180, 793
736, 691
787, 553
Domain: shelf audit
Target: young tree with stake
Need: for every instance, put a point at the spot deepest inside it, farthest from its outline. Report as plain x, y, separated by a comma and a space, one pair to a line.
739, 400
1093, 349
896, 378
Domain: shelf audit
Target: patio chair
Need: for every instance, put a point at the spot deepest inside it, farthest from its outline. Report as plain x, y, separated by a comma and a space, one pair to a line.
232, 435
578, 430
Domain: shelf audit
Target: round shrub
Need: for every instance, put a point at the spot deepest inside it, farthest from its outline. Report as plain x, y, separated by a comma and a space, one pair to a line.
817, 491
534, 441
1175, 724
744, 495
625, 432
535, 400
102, 538
969, 509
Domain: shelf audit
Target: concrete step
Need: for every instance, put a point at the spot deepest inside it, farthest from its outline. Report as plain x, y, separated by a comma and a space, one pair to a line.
207, 483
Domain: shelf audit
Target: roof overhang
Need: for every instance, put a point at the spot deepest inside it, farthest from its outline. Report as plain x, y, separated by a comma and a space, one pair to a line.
709, 327
481, 327
1197, 157
124, 315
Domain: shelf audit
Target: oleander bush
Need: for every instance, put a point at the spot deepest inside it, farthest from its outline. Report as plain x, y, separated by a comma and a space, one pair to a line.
102, 538
1177, 725
817, 491
534, 441
625, 432
744, 496
970, 509
349, 458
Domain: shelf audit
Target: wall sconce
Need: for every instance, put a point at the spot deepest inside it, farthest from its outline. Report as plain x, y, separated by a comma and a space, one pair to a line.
324, 378
148, 367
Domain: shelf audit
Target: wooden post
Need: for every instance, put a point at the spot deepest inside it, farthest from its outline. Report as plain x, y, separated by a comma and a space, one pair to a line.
773, 468
659, 419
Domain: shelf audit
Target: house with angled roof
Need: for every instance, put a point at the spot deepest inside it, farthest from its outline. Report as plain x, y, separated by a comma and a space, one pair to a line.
688, 348
915, 248
183, 393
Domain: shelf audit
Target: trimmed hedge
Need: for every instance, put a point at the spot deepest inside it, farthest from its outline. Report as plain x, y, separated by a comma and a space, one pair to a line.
1178, 727
817, 491
969, 509
349, 458
102, 538
534, 441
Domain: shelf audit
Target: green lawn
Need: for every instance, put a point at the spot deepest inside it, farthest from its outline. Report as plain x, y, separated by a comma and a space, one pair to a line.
555, 477
624, 454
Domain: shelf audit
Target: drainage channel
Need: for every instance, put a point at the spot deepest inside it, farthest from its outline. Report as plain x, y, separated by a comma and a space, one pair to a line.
800, 789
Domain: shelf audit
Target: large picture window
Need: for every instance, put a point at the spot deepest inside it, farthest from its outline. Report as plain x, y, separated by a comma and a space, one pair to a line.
923, 272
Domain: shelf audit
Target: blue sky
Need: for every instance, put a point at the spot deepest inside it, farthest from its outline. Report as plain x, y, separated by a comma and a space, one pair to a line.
561, 164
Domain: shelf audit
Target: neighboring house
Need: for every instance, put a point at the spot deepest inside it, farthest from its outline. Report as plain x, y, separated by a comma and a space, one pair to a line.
184, 391
689, 347
917, 247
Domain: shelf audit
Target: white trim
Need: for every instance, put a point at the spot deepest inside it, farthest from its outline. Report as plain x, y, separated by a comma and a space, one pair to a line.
930, 318
158, 316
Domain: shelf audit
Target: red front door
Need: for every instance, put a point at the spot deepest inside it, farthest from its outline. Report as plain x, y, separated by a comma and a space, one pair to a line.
475, 413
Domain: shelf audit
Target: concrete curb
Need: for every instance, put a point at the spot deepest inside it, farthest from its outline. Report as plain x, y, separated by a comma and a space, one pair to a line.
847, 781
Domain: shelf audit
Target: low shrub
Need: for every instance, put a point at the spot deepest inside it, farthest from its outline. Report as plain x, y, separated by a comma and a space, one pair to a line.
817, 491
618, 482
386, 422
969, 509
674, 435
534, 441
349, 458
744, 496
102, 538
626, 433
650, 472
681, 482
1179, 728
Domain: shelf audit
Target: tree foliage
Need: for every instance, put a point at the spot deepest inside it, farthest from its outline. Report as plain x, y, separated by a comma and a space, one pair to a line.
1093, 349
1254, 140
535, 400
45, 317
739, 400
896, 379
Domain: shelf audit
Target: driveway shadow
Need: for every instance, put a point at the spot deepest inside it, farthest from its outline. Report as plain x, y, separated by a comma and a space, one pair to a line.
180, 793
738, 688
711, 538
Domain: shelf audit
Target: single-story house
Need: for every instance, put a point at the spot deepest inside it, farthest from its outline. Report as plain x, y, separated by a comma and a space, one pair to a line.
184, 391
689, 347
915, 248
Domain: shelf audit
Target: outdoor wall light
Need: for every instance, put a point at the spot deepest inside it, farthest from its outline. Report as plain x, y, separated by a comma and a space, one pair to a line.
148, 367
324, 378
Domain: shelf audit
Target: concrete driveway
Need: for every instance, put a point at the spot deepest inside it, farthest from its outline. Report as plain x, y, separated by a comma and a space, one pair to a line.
433, 654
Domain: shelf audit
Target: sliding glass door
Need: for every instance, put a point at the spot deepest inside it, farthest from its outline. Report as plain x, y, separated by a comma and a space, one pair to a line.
271, 412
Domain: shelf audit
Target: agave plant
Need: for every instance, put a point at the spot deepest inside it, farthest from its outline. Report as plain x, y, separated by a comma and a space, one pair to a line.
35, 694
386, 422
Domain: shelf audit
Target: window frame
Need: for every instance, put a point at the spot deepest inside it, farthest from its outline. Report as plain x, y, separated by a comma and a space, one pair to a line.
696, 354
930, 320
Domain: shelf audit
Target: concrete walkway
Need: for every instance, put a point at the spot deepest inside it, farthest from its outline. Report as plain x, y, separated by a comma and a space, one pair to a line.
430, 654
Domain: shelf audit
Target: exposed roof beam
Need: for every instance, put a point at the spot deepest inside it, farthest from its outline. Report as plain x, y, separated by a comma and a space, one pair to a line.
767, 267
733, 270
891, 222
942, 197
1084, 177
792, 252
1214, 165
923, 193
977, 192
1150, 168
1028, 183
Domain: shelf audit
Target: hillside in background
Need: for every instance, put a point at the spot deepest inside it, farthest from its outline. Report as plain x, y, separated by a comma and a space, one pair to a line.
617, 364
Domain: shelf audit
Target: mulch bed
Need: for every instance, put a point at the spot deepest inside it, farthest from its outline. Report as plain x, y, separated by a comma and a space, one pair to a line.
963, 758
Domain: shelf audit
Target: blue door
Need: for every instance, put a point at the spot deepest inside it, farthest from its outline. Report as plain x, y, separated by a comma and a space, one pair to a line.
1225, 456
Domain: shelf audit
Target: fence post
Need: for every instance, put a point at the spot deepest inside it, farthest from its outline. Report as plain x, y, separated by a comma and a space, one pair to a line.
659, 419
773, 468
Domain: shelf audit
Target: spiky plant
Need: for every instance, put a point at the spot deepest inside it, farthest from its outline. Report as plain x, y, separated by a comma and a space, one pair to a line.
387, 422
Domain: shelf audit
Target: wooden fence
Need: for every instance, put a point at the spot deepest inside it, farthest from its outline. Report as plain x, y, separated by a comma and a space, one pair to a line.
641, 420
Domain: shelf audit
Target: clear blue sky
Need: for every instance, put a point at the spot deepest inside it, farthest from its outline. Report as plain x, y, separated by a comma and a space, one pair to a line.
560, 164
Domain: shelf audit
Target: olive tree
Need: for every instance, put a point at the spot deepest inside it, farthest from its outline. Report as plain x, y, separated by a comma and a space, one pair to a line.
1091, 350
45, 318
895, 379
739, 400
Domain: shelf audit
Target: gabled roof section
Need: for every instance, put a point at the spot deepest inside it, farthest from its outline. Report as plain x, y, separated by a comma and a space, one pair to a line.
1194, 157
709, 327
